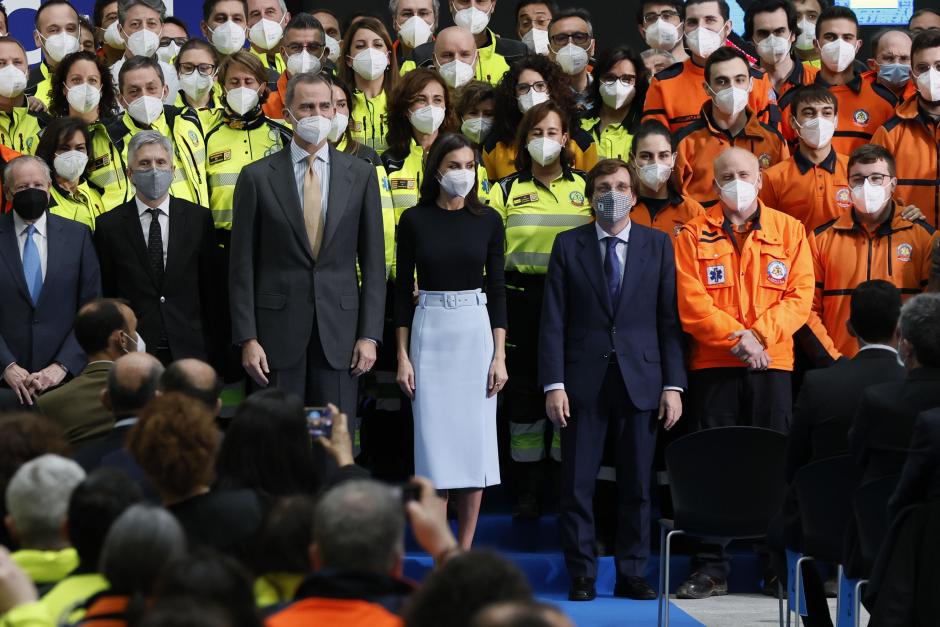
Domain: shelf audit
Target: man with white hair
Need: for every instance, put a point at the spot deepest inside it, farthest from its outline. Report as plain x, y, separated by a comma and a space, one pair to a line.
38, 349
37, 500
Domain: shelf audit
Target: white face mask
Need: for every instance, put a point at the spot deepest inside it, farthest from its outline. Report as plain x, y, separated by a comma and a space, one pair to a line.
303, 62
662, 35
241, 100
654, 175
472, 19
266, 33
458, 183
313, 129
531, 98
370, 64
70, 164
476, 129
544, 150
59, 45
928, 85
195, 85
869, 198
168, 52
12, 81
338, 126
143, 43
427, 119
456, 73
804, 41
703, 42
773, 49
572, 59
536, 40
112, 36
139, 344
837, 55
617, 94
731, 100
414, 31
332, 47
145, 110
228, 38
738, 195
816, 132
83, 98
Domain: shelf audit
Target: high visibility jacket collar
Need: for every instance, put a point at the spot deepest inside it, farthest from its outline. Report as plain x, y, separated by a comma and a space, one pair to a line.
751, 130
855, 84
248, 122
805, 165
160, 124
911, 109
46, 566
892, 223
796, 75
525, 177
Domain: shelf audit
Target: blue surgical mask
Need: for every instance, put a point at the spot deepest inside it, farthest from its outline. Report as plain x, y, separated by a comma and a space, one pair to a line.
894, 73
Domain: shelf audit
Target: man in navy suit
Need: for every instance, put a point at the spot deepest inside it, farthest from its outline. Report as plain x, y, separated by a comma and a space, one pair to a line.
610, 361
50, 271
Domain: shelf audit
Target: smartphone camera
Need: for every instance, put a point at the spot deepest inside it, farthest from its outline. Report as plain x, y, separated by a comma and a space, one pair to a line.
319, 422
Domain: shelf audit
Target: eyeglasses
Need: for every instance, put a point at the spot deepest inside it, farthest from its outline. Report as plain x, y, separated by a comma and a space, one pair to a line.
580, 39
314, 48
667, 15
538, 22
179, 41
876, 178
610, 79
523, 88
206, 69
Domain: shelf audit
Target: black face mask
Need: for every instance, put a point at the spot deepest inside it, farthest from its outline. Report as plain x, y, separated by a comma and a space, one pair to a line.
30, 203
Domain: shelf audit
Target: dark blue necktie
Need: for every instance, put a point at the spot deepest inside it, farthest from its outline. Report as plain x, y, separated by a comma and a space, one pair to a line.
612, 270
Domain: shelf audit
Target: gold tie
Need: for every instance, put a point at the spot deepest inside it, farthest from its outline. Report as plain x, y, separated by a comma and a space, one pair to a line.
313, 207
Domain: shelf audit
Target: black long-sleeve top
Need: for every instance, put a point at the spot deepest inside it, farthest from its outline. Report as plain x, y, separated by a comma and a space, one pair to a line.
451, 250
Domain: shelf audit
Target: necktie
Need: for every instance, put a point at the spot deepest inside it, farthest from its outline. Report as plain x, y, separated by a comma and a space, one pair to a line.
612, 270
155, 245
32, 266
313, 207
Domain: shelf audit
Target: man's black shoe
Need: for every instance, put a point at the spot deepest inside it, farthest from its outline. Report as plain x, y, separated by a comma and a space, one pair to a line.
526, 507
634, 588
582, 589
701, 586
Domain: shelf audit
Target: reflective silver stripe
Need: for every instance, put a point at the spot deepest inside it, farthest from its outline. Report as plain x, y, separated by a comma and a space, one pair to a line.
222, 216
548, 219
179, 176
104, 179
404, 200
514, 260
222, 179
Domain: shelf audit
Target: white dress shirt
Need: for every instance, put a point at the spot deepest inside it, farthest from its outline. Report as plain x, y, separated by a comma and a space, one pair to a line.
40, 238
163, 217
300, 158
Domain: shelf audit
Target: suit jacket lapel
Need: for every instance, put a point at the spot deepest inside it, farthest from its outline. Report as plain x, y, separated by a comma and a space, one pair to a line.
135, 236
340, 186
178, 230
590, 258
285, 189
635, 263
10, 252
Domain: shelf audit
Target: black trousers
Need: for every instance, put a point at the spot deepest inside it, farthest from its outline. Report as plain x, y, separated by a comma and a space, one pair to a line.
725, 397
582, 445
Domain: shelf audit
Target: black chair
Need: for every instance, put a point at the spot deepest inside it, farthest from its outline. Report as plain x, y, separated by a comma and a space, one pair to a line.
871, 517
727, 483
830, 438
824, 492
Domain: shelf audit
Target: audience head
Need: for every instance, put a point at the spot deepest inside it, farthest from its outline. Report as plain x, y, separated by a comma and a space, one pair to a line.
728, 81
267, 447
919, 331
455, 56
95, 504
303, 45
521, 614
82, 86
57, 30
620, 84
415, 20
837, 38
139, 544
15, 68
532, 20
187, 611
244, 80
530, 81
737, 181
464, 585
196, 379
26, 183
175, 442
874, 309
652, 158
132, 383
225, 24
923, 20
772, 26
891, 57
707, 26
37, 500
26, 436
571, 40
366, 53
814, 113
285, 537
661, 23
476, 108
66, 147
106, 328
375, 512
871, 174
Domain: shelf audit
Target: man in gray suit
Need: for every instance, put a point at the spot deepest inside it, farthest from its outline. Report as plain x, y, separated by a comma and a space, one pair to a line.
303, 218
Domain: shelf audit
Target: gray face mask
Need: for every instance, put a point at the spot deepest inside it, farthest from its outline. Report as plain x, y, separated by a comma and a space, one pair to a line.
152, 183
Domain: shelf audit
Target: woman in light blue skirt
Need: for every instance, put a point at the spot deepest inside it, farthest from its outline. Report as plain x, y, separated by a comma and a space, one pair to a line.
451, 340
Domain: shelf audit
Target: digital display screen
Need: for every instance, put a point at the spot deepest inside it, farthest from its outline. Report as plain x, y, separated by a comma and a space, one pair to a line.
880, 12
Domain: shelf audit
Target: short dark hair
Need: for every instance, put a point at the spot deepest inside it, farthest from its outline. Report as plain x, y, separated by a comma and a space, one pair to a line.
431, 187
678, 5
208, 6
604, 167
723, 54
916, 14
48, 4
577, 12
97, 14
96, 503
529, 119
874, 309
139, 63
304, 21
176, 379
552, 6
836, 12
870, 153
919, 324
172, 19
770, 6
723, 7
930, 38
96, 321
812, 93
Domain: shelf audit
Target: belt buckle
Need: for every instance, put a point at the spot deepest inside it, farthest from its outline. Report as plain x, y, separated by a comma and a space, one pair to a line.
450, 301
